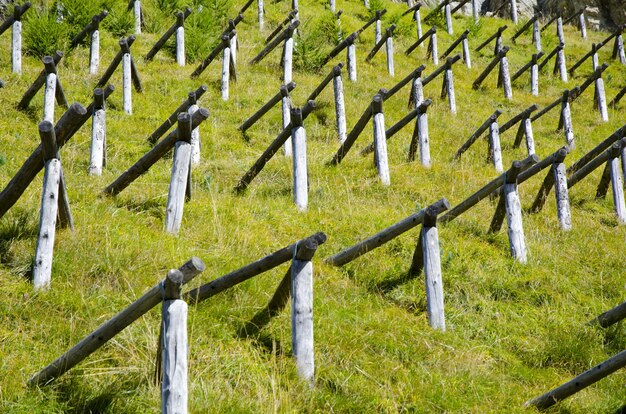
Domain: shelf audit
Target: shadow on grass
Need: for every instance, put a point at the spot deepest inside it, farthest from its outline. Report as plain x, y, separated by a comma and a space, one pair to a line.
16, 226
154, 207
83, 401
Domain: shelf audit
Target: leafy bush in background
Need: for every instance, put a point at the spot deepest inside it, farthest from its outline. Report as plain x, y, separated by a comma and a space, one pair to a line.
119, 22
43, 34
76, 14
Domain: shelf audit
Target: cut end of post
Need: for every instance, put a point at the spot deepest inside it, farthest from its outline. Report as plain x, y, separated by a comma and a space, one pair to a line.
296, 117
377, 104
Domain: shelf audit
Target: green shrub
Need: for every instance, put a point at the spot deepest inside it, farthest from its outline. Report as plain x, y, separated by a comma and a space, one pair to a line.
76, 14
119, 22
43, 35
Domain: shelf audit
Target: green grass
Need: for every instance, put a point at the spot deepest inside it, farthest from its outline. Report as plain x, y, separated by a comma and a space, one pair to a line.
513, 331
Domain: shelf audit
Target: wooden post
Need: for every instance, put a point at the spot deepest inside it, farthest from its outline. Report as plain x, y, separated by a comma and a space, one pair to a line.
618, 49
16, 41
582, 381
581, 24
380, 141
225, 66
432, 47
497, 59
389, 45
377, 29
288, 58
447, 88
351, 58
466, 53
537, 36
417, 91
495, 153
302, 316
514, 11
340, 106
515, 229
448, 14
286, 112
137, 14
94, 51
282, 93
212, 55
279, 28
126, 81
506, 78
42, 268
611, 316
383, 236
288, 32
497, 36
559, 30
566, 116
152, 156
418, 23
97, 158
180, 172
300, 177
50, 89
195, 133
599, 94
560, 65
174, 346
420, 41
534, 76
180, 39
261, 12
562, 196
420, 135
432, 270
92, 342
588, 168
617, 186
125, 45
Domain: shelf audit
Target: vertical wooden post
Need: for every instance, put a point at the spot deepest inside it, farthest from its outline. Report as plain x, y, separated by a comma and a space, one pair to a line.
42, 268
50, 89
448, 13
534, 76
418, 23
226, 56
366, 3
137, 13
515, 229
475, 11
98, 134
526, 129
506, 77
180, 39
599, 96
581, 25
560, 64
174, 346
261, 13
16, 41
559, 30
377, 30
331, 4
466, 53
302, 315
537, 35
288, 59
448, 88
300, 177
340, 106
180, 173
618, 49
495, 152
126, 77
417, 90
562, 196
195, 133
566, 117
498, 45
514, 11
432, 47
423, 138
351, 59
617, 187
432, 270
94, 50
286, 109
380, 140
389, 46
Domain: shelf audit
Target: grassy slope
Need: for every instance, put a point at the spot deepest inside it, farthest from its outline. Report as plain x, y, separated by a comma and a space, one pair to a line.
514, 331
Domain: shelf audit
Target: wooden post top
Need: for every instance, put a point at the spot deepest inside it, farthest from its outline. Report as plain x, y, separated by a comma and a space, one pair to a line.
536, 57
337, 69
560, 155
48, 140
226, 38
98, 98
377, 104
412, 9
124, 46
285, 89
452, 60
18, 11
308, 108
338, 14
49, 66
502, 52
502, 29
184, 127
305, 250
296, 118
494, 116
172, 285
389, 31
424, 105
518, 166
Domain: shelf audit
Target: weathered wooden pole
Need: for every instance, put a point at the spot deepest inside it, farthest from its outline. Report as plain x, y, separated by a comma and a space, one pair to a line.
432, 47
286, 117
566, 117
615, 101
504, 75
192, 98
288, 57
618, 48
482, 128
383, 236
611, 316
180, 39
174, 346
513, 207
282, 93
16, 39
580, 382
495, 151
300, 176
288, 32
523, 29
534, 73
226, 56
593, 50
447, 88
420, 135
389, 50
212, 55
271, 150
127, 98
117, 59
599, 96
448, 13
279, 28
302, 311
380, 141
340, 106
581, 24
40, 81
152, 156
537, 36
498, 38
97, 158
415, 9
377, 27
559, 64
42, 268
617, 186
454, 44
592, 165
429, 240
110, 328
50, 89
561, 192
94, 49
420, 40
351, 59
136, 6
180, 171
550, 55
196, 145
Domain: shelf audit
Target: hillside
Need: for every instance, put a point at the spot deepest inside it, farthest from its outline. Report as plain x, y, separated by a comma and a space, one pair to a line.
513, 331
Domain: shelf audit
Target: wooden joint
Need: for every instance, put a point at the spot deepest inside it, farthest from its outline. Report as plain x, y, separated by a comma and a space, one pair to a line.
377, 104
296, 118
48, 140
124, 46
337, 69
184, 127
172, 285
48, 63
98, 99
